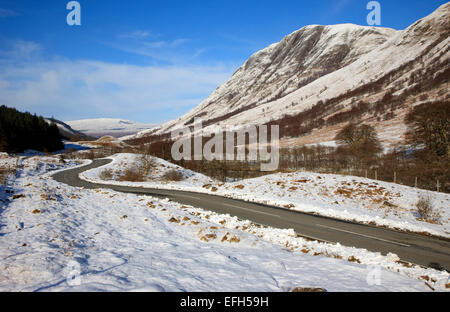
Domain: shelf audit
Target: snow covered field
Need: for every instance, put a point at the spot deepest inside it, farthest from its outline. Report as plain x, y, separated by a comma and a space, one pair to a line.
336, 196
58, 238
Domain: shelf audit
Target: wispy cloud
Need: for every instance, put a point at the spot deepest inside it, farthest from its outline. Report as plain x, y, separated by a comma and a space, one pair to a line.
70, 89
164, 44
138, 35
20, 50
7, 13
166, 51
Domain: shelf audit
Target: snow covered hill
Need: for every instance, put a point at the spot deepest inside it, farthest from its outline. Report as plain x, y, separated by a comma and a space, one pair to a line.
108, 126
334, 74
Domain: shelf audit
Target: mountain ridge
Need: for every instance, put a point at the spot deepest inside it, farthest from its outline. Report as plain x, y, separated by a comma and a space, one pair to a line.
335, 68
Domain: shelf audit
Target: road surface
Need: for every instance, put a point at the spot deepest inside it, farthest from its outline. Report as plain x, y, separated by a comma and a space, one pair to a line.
410, 247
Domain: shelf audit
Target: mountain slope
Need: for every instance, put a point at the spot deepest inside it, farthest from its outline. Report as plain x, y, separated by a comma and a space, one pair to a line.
296, 61
66, 131
321, 77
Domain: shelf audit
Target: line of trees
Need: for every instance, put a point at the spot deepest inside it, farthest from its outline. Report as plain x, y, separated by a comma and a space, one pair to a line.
24, 131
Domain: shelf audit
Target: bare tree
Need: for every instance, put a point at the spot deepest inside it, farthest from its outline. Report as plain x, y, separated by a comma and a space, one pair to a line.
361, 139
429, 126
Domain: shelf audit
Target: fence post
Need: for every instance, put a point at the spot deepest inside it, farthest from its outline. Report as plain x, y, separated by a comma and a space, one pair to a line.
416, 184
437, 185
366, 173
376, 175
395, 177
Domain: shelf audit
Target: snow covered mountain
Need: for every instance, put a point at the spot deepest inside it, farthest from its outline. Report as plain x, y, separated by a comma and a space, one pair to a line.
106, 126
318, 78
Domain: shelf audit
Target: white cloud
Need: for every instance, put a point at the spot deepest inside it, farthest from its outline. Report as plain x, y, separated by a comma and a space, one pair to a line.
83, 89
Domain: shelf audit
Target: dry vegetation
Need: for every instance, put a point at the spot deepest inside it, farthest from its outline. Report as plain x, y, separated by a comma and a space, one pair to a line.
426, 211
106, 175
5, 172
359, 154
132, 175
173, 175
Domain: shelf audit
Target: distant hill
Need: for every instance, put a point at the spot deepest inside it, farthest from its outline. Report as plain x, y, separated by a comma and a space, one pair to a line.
108, 127
67, 132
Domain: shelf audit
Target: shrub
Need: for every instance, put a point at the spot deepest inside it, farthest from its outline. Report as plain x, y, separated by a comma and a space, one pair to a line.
173, 175
5, 173
3, 177
106, 175
147, 163
131, 175
425, 210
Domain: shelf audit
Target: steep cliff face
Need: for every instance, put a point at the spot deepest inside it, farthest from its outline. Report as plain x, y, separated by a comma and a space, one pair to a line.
319, 78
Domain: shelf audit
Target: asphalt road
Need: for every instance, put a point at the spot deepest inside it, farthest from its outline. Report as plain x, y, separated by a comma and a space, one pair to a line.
415, 248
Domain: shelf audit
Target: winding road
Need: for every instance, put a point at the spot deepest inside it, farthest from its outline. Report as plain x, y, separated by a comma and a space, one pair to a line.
410, 247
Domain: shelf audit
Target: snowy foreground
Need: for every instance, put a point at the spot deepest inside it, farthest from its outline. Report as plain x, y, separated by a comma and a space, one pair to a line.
58, 238
342, 197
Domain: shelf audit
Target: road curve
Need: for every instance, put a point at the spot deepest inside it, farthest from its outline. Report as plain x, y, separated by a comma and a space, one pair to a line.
415, 248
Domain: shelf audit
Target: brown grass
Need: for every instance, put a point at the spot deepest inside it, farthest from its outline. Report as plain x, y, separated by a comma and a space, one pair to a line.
234, 239
353, 259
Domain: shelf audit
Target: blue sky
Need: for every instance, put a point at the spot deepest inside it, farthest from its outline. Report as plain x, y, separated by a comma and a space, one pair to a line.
151, 61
